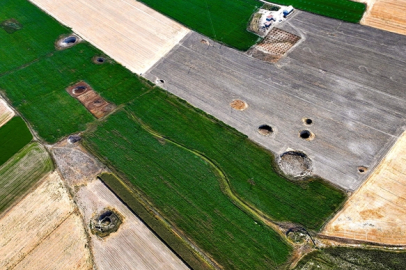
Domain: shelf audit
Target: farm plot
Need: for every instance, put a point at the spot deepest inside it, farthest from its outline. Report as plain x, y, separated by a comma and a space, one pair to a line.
376, 211
21, 172
14, 135
5, 112
133, 245
172, 176
43, 232
20, 23
247, 166
126, 30
387, 15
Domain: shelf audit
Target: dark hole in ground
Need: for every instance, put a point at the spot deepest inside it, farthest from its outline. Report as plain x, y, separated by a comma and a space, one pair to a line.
305, 134
161, 81
100, 59
105, 214
79, 89
362, 169
265, 130
70, 40
308, 121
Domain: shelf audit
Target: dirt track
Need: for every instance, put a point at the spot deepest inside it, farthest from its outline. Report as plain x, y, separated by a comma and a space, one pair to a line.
377, 212
129, 32
389, 15
43, 231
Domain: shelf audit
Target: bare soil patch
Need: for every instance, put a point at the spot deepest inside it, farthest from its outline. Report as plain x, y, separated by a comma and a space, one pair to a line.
132, 244
295, 163
239, 105
6, 113
11, 25
90, 99
42, 230
76, 166
376, 212
274, 46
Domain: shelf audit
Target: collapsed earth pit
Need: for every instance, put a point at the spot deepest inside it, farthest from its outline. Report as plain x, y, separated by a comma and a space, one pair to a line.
99, 60
239, 105
362, 169
306, 135
295, 163
307, 121
265, 130
66, 42
105, 223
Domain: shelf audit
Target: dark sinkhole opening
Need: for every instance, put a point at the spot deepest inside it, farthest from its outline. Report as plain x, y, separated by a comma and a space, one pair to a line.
70, 40
265, 130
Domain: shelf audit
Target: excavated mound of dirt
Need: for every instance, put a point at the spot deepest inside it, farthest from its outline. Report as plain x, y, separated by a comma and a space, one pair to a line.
295, 163
238, 104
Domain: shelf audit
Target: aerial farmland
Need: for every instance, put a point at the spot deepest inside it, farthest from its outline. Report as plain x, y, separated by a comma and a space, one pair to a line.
202, 134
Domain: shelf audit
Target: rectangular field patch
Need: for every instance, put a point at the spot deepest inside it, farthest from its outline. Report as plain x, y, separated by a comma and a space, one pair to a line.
5, 112
93, 102
274, 46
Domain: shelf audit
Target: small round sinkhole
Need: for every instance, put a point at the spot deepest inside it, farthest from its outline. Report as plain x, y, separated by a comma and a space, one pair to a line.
100, 59
79, 90
70, 40
362, 169
265, 130
308, 121
306, 135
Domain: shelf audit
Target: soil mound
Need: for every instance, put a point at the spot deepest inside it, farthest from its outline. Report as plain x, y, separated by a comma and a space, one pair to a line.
238, 104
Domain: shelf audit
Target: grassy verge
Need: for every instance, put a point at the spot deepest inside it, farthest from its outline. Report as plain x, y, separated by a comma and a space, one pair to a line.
132, 201
21, 172
247, 166
185, 190
14, 135
352, 258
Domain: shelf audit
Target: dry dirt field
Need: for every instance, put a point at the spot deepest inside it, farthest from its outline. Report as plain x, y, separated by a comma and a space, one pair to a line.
389, 15
133, 246
75, 165
377, 212
43, 231
5, 112
129, 32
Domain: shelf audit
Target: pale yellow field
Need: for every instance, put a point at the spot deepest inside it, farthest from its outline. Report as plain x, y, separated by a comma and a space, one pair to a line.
376, 212
43, 232
5, 112
133, 246
129, 32
389, 15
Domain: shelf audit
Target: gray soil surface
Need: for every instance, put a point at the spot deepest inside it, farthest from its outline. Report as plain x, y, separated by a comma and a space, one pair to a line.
349, 79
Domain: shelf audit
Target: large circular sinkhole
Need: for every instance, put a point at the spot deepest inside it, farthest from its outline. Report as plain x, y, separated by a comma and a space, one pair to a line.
306, 135
295, 163
70, 40
105, 223
79, 90
265, 130
362, 169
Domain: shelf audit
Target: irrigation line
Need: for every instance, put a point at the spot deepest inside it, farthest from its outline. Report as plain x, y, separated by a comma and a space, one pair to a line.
224, 183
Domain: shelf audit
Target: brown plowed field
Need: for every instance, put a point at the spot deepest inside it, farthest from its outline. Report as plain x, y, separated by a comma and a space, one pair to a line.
133, 246
90, 99
5, 112
377, 211
389, 15
43, 232
129, 32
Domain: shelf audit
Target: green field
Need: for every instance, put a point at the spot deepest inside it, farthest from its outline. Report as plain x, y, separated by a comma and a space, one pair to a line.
352, 258
14, 135
37, 88
185, 189
226, 21
21, 172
